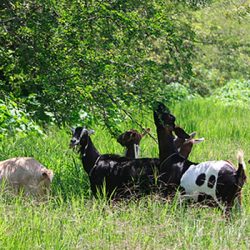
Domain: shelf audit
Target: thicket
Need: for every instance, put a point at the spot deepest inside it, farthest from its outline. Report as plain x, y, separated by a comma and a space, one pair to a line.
14, 119
62, 57
62, 61
222, 45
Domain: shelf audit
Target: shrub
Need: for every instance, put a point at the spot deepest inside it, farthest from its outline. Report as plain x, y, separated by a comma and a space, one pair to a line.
234, 91
14, 120
174, 92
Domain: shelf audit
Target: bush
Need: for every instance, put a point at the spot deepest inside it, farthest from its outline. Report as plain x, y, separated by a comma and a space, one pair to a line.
234, 91
14, 120
174, 92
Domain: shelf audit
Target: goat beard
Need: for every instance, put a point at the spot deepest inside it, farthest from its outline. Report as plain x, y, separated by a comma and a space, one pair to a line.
75, 147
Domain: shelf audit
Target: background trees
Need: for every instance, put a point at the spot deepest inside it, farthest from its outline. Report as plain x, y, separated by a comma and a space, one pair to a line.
62, 57
63, 60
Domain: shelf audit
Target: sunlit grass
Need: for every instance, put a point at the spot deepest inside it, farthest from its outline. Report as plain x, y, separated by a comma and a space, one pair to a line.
72, 219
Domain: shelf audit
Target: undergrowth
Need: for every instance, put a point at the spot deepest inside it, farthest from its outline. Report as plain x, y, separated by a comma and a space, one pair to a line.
73, 219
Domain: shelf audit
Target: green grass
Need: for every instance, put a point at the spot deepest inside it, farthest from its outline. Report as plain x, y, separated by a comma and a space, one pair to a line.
72, 219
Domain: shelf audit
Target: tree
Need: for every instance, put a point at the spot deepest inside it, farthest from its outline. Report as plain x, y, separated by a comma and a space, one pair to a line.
63, 57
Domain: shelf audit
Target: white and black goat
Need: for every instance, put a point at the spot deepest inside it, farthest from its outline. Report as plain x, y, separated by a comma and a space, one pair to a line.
131, 140
113, 174
218, 180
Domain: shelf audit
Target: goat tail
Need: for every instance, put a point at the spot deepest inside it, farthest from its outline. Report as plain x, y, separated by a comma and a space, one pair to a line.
240, 158
240, 174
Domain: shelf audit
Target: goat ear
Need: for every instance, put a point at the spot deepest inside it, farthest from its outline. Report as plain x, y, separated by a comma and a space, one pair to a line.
192, 135
197, 141
91, 131
72, 130
132, 135
47, 174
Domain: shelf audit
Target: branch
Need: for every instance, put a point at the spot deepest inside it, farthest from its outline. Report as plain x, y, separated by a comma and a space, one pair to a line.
130, 116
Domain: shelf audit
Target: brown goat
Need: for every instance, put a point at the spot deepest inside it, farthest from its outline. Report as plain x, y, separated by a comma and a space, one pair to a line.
131, 140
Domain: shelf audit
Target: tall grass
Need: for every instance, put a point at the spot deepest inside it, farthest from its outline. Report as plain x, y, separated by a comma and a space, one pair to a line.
72, 219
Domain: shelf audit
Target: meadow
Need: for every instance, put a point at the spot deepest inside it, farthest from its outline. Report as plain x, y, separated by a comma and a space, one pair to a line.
73, 219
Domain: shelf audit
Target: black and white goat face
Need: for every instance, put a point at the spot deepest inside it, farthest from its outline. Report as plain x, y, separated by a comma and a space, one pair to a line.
80, 136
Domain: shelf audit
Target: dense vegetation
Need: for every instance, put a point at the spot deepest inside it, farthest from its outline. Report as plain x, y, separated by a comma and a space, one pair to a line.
222, 43
103, 64
71, 55
72, 219
64, 60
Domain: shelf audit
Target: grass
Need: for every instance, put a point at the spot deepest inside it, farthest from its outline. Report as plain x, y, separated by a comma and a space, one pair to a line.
72, 219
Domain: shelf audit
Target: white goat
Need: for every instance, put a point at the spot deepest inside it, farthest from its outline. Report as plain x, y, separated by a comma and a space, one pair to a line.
26, 173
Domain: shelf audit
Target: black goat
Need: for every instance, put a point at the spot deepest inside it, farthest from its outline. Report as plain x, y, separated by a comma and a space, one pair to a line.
218, 180
88, 152
173, 161
112, 173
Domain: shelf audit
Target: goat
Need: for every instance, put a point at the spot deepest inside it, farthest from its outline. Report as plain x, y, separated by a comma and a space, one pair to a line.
89, 153
116, 174
165, 124
218, 180
26, 173
179, 141
173, 161
131, 140
115, 171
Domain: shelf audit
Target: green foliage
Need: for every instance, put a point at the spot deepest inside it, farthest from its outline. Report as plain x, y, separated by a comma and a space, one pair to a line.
196, 4
63, 59
15, 121
91, 56
175, 92
72, 219
223, 53
234, 92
